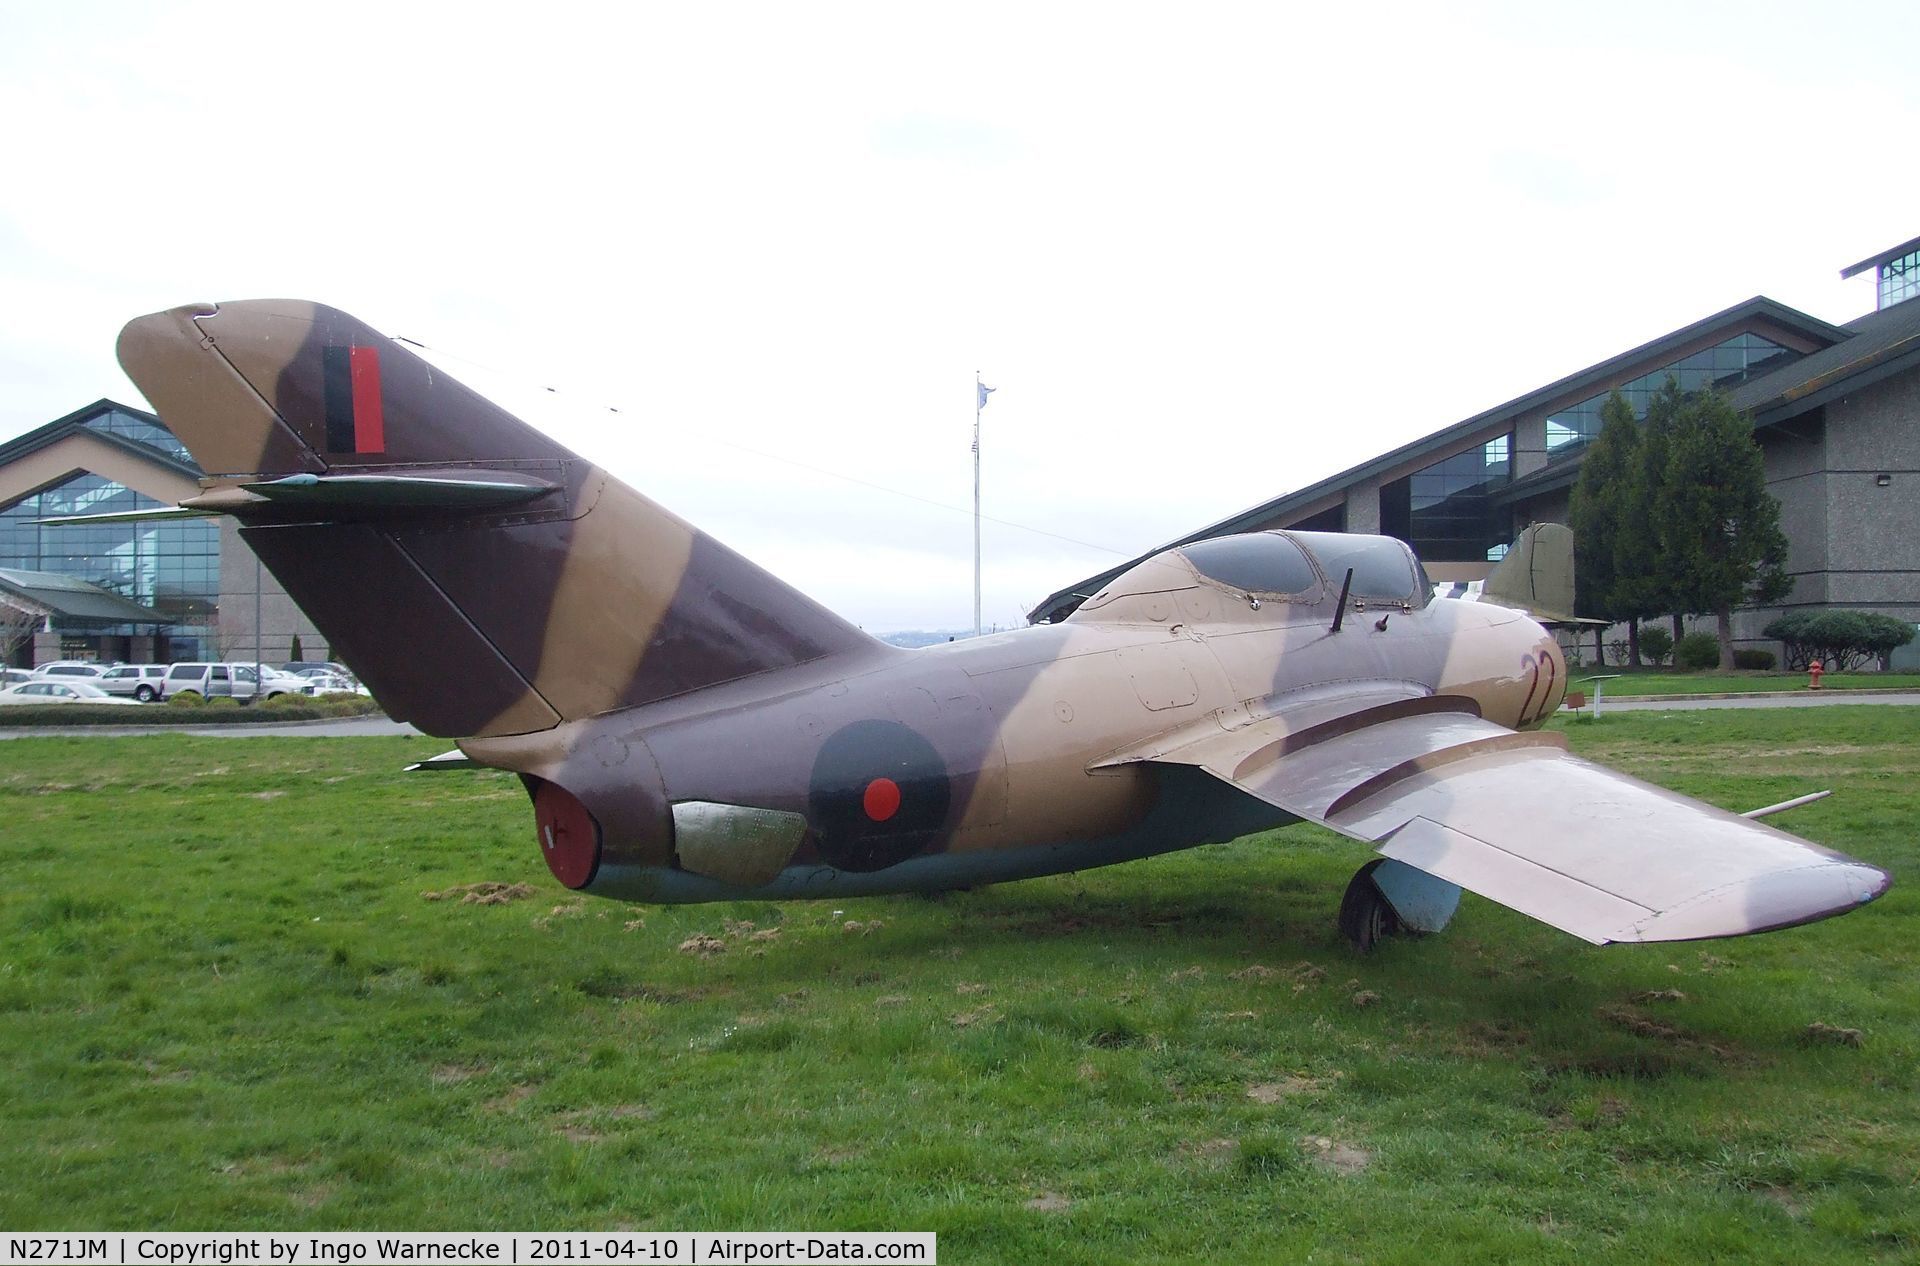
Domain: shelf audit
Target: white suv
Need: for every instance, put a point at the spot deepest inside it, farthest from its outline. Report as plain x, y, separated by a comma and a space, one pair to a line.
213, 681
142, 681
228, 681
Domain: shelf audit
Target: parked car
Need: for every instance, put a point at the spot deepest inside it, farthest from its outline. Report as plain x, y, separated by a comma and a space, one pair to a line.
212, 681
14, 676
229, 680
279, 682
142, 681
59, 692
301, 667
324, 683
69, 670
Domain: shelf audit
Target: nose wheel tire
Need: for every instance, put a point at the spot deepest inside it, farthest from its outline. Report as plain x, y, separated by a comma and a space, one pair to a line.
1366, 916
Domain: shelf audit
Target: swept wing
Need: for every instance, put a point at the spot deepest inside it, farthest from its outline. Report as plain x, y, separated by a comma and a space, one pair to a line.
1518, 819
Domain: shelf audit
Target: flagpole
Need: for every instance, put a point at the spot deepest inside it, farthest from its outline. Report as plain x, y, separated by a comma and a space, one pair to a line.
979, 400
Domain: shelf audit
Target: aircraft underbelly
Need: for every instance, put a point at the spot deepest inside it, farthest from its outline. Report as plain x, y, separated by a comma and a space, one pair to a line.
1187, 809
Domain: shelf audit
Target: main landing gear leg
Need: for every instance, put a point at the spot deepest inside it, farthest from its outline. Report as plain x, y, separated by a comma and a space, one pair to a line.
1389, 898
1366, 916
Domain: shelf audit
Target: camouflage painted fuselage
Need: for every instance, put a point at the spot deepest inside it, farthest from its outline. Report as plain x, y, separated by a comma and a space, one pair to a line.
996, 745
691, 728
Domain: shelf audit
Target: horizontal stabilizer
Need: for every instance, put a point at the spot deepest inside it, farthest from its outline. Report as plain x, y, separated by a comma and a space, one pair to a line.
354, 495
159, 515
456, 759
398, 492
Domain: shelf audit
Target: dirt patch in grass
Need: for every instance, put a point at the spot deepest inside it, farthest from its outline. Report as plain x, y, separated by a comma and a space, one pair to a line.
1049, 1202
1212, 1153
1279, 1091
1341, 1158
607, 984
1660, 995
510, 1101
311, 1197
1492, 1036
1822, 1033
486, 893
1646, 1026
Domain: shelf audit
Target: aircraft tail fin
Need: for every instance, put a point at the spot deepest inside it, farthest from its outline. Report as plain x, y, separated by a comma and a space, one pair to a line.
481, 578
1536, 576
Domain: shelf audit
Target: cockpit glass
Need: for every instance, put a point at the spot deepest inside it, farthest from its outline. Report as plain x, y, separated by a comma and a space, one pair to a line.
1259, 562
1381, 568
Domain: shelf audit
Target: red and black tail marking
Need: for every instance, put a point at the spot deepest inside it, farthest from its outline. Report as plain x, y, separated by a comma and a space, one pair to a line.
355, 423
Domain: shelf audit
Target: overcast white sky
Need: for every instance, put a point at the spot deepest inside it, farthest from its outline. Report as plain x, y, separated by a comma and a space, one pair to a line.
1207, 253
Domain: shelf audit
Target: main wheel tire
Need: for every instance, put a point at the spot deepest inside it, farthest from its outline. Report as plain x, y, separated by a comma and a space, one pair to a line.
1366, 916
143, 693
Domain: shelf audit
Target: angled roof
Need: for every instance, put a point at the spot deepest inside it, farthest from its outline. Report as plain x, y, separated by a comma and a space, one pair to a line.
1878, 344
76, 422
75, 600
1575, 386
1874, 261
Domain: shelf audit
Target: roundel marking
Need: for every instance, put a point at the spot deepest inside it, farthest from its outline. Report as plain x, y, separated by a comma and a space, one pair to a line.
879, 794
881, 799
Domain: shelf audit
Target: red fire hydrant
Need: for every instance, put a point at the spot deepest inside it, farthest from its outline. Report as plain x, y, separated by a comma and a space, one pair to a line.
1813, 675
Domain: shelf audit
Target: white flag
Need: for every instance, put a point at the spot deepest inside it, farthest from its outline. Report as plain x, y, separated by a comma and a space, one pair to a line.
985, 391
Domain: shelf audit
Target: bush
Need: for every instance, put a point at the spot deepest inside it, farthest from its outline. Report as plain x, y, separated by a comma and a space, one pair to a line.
65, 714
1619, 650
186, 699
1842, 640
1656, 644
1762, 660
286, 700
1697, 650
223, 701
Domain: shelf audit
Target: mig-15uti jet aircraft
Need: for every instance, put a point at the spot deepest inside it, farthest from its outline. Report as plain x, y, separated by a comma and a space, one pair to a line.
689, 728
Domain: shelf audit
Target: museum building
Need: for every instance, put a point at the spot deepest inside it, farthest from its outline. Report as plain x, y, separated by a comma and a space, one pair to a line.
1835, 410
148, 592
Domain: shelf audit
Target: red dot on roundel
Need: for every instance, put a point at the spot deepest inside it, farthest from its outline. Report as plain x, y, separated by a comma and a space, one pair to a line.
882, 799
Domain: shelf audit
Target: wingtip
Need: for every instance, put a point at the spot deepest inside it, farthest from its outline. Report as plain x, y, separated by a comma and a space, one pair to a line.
1767, 903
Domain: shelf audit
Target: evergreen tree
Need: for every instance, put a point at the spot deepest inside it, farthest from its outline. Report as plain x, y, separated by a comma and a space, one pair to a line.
1602, 504
1718, 526
294, 652
1646, 585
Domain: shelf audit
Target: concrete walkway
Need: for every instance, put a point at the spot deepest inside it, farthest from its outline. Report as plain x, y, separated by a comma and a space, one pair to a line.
341, 727
1759, 699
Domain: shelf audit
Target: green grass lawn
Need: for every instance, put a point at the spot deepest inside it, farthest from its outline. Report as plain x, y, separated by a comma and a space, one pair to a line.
1666, 681
226, 1002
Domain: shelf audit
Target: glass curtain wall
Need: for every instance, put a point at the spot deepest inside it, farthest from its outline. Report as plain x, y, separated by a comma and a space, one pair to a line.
172, 566
1446, 511
1900, 279
1741, 357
